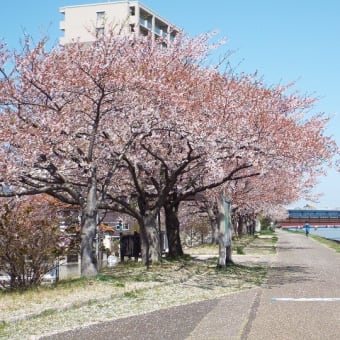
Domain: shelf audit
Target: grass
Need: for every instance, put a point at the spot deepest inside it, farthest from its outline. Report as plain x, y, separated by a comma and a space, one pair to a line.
239, 250
168, 284
238, 245
131, 295
329, 243
267, 232
203, 249
127, 289
262, 243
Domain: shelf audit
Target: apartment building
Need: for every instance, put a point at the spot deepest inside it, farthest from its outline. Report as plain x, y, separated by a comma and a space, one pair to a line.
86, 22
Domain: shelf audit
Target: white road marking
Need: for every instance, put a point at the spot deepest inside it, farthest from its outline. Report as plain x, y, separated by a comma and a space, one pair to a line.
306, 299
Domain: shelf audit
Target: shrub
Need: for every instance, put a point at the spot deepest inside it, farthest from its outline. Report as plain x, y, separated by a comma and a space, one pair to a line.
29, 240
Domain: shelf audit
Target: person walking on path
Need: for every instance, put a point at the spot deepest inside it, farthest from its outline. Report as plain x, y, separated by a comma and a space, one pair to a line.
307, 228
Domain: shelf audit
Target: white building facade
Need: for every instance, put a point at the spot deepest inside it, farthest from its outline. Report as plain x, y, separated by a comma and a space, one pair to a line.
86, 22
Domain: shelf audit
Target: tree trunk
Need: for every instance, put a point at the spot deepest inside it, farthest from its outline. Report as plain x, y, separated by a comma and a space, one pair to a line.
88, 230
252, 227
150, 241
236, 229
243, 225
172, 231
225, 249
213, 223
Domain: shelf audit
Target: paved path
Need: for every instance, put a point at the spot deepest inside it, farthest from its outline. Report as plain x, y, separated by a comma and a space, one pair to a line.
309, 272
303, 270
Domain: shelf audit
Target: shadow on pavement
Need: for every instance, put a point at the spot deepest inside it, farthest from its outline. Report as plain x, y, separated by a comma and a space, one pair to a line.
282, 275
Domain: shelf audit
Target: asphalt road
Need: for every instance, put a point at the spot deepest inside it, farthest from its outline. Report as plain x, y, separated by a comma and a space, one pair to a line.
301, 300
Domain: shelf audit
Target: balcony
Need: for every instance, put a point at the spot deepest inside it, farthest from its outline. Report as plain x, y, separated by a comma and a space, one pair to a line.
146, 22
161, 30
145, 19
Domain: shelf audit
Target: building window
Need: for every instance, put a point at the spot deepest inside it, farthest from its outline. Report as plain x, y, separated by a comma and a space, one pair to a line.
144, 32
132, 28
172, 36
132, 10
72, 258
99, 32
145, 19
100, 19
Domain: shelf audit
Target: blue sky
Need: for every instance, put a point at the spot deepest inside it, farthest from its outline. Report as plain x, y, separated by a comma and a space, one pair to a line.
287, 40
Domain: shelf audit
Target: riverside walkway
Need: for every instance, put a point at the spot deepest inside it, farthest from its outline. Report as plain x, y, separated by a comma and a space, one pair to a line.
300, 300
302, 297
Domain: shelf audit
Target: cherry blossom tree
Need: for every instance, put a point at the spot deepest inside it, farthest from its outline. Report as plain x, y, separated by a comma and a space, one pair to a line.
261, 195
233, 128
68, 115
128, 125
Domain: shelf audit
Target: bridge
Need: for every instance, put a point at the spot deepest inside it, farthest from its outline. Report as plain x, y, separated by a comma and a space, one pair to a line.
316, 218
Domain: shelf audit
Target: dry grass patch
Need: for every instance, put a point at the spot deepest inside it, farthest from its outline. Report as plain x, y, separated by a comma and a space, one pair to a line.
130, 289
125, 290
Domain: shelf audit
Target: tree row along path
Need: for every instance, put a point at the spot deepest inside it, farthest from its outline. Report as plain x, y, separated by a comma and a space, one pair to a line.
300, 300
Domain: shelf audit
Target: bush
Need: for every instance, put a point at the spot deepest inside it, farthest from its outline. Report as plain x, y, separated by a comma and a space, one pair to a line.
29, 237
